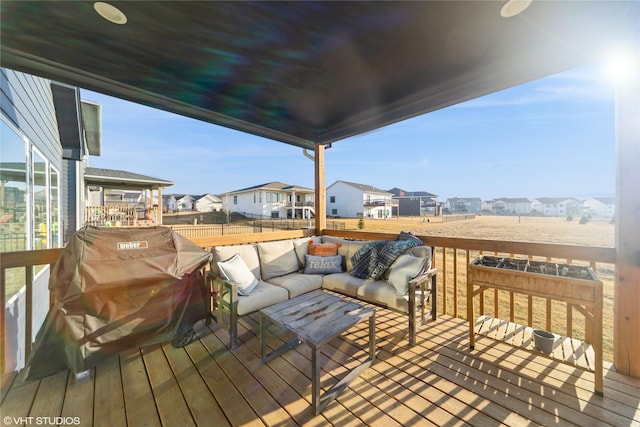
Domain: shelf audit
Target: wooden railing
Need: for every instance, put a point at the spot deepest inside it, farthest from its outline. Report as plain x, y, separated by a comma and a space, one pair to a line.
452, 255
120, 216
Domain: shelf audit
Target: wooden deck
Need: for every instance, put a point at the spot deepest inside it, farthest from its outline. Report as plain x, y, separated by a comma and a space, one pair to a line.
439, 382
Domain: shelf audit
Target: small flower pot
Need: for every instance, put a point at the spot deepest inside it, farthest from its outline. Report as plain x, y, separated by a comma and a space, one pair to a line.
543, 340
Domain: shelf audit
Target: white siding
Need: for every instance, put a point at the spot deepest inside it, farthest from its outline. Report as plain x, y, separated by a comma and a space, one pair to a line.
347, 200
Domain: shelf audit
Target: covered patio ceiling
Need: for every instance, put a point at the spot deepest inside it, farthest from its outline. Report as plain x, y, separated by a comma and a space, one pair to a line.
307, 73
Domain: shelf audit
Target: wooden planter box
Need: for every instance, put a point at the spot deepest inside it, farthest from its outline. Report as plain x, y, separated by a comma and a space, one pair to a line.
563, 282
577, 286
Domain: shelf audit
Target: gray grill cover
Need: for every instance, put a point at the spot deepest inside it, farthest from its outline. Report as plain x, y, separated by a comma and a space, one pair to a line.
119, 288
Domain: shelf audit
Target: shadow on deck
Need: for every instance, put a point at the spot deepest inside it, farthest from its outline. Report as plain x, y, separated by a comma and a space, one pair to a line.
438, 382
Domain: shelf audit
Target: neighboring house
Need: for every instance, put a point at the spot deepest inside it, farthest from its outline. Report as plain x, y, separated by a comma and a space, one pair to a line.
556, 206
463, 205
604, 207
207, 203
197, 203
118, 188
271, 200
184, 202
413, 202
506, 205
169, 203
351, 200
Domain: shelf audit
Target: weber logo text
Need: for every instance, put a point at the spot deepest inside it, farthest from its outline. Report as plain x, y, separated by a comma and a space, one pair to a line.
123, 246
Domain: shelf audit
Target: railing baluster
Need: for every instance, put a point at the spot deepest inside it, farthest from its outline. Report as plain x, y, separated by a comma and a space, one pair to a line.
28, 303
455, 283
444, 280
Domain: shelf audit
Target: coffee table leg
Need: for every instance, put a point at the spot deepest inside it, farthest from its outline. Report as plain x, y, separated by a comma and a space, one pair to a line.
372, 337
315, 381
263, 345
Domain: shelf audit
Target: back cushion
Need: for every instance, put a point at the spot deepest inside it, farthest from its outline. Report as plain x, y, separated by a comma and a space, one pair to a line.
277, 258
248, 253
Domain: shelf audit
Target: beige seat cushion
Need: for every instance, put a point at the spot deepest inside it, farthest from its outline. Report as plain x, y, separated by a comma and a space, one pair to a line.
344, 283
263, 295
383, 293
298, 283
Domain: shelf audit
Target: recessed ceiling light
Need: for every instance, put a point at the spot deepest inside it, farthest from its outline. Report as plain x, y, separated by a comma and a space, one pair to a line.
514, 7
110, 13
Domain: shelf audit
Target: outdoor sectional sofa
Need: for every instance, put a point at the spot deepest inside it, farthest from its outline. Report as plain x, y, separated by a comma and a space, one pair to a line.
284, 269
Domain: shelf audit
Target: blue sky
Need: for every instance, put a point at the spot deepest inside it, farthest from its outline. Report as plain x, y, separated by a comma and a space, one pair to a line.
553, 137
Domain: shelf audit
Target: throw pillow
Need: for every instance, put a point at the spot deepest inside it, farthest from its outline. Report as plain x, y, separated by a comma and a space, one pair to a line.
322, 264
405, 268
323, 249
235, 270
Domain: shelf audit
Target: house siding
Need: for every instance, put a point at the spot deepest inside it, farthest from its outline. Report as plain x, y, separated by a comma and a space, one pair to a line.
27, 109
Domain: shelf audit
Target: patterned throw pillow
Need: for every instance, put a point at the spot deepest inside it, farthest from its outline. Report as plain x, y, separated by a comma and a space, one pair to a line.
322, 264
407, 235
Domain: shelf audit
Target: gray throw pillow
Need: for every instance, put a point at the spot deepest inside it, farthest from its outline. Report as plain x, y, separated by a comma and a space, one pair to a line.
405, 268
322, 264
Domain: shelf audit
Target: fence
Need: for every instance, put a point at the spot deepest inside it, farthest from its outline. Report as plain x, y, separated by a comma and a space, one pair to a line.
259, 226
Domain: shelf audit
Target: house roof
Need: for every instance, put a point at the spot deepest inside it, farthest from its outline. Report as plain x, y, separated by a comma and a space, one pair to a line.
113, 178
307, 72
548, 200
398, 193
274, 185
512, 200
366, 188
606, 200
464, 199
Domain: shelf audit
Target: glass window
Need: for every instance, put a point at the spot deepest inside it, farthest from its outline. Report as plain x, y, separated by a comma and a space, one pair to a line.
13, 191
332, 199
39, 201
55, 209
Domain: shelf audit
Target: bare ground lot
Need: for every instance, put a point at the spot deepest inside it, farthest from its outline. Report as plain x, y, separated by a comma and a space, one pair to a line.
597, 232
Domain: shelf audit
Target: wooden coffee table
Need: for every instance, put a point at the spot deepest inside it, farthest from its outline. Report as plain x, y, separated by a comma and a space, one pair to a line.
316, 318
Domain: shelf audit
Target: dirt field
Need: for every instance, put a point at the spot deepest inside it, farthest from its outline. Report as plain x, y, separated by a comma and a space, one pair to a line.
597, 232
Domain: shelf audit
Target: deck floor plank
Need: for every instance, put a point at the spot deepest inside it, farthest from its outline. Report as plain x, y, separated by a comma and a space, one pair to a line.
202, 404
19, 399
50, 396
440, 381
138, 397
109, 407
170, 402
237, 410
79, 399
